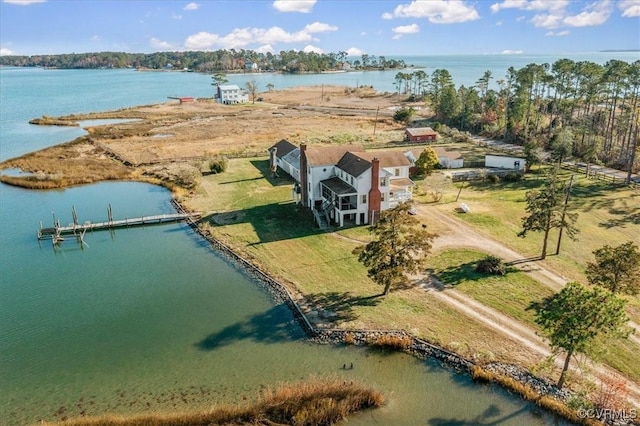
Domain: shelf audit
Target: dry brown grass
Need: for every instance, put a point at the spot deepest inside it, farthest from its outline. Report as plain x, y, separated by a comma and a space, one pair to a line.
73, 163
391, 341
167, 132
528, 393
314, 402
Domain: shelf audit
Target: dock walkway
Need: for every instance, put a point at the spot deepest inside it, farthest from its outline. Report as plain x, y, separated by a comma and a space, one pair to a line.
75, 228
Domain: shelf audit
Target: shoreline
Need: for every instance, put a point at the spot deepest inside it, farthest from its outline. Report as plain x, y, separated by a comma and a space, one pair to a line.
511, 377
337, 336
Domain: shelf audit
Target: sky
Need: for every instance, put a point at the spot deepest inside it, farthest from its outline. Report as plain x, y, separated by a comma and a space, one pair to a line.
373, 27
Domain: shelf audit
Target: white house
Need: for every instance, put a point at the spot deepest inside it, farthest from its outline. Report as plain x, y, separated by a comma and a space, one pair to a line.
231, 94
504, 162
288, 158
447, 159
344, 182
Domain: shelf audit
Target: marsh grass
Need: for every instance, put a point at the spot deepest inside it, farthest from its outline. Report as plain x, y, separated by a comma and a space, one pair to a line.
313, 402
530, 394
390, 341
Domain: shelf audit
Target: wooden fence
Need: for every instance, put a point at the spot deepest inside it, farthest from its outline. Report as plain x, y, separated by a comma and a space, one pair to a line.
604, 174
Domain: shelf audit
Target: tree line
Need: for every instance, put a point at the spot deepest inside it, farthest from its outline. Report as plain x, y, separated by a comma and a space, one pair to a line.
581, 109
208, 61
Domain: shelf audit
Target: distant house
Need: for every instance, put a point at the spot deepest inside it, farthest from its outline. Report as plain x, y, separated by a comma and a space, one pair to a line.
345, 183
251, 66
231, 94
421, 134
447, 159
505, 162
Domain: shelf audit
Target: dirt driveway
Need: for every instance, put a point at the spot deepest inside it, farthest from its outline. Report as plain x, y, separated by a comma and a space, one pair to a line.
455, 233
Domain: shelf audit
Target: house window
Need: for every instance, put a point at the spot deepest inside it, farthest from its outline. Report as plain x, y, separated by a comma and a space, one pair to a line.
351, 180
383, 181
383, 196
397, 172
363, 198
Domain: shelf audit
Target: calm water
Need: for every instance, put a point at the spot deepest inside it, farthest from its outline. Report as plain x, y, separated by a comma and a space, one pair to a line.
152, 318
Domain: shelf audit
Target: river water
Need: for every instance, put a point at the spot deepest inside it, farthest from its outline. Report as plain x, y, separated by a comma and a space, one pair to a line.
152, 318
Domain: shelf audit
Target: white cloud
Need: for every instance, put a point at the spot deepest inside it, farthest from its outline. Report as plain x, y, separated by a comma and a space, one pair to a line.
192, 6
554, 14
558, 34
310, 48
405, 29
6, 52
436, 11
354, 51
201, 40
24, 2
159, 44
536, 5
512, 52
243, 37
319, 27
499, 24
300, 6
594, 14
176, 17
387, 15
95, 38
547, 21
629, 8
267, 48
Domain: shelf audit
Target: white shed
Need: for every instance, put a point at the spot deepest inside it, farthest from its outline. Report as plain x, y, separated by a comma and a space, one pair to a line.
504, 162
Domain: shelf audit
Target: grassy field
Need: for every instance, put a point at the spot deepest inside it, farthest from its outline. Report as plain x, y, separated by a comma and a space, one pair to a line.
607, 214
254, 212
512, 293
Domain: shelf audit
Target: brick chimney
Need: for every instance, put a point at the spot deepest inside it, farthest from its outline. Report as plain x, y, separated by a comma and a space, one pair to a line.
304, 193
374, 192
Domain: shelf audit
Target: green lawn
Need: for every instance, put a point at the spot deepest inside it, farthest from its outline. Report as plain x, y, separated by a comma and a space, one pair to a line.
511, 294
254, 212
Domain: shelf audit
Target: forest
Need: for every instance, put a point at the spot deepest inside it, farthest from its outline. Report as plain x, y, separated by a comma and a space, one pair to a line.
206, 61
580, 109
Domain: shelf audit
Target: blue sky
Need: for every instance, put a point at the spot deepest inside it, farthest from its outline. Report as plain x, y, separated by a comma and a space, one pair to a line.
374, 27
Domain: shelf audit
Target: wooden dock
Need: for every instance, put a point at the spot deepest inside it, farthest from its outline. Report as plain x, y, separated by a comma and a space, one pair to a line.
57, 232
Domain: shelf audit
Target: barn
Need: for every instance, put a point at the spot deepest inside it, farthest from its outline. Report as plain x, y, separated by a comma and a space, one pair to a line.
421, 134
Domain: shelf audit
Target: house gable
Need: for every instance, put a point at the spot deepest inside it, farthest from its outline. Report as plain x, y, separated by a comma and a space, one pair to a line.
353, 164
329, 155
283, 148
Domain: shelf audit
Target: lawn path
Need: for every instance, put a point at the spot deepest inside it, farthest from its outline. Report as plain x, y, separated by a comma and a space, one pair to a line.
458, 234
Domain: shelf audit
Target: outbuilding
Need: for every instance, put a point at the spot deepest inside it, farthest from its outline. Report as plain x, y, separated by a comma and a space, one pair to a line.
504, 162
421, 134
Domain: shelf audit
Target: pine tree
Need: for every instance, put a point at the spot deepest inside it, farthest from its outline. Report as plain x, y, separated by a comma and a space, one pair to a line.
400, 247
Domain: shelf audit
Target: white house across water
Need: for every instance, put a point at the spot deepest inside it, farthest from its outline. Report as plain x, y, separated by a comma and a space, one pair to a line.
231, 94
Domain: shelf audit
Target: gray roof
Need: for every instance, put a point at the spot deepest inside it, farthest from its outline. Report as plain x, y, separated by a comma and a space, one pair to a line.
283, 148
338, 186
353, 164
293, 158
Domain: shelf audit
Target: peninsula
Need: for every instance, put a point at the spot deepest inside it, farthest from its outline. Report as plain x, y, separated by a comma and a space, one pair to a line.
481, 320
